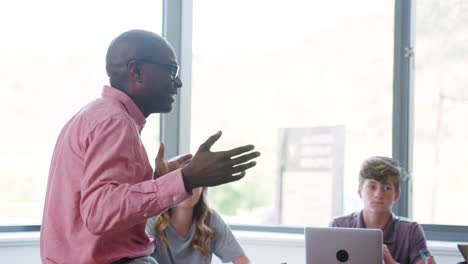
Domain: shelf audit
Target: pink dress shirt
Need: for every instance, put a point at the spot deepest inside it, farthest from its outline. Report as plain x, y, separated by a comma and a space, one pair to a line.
100, 189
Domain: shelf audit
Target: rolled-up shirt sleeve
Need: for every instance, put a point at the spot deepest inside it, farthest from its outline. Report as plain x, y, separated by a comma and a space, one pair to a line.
117, 189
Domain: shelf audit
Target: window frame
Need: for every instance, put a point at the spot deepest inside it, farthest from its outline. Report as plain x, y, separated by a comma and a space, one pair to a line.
403, 120
180, 35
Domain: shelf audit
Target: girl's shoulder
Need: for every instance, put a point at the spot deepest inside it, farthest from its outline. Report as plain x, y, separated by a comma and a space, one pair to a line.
215, 219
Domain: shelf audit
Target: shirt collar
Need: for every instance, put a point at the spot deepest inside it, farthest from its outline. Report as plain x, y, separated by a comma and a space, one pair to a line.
127, 102
389, 234
360, 220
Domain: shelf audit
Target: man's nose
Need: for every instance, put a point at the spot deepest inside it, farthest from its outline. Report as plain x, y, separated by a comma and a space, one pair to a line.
177, 82
378, 192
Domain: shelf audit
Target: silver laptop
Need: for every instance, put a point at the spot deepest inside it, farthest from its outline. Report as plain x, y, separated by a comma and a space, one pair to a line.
331, 245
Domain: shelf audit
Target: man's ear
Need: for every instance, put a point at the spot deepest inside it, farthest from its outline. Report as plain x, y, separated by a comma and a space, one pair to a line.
134, 70
397, 195
360, 191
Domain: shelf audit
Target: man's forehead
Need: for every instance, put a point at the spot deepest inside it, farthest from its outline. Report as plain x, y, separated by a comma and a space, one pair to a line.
164, 54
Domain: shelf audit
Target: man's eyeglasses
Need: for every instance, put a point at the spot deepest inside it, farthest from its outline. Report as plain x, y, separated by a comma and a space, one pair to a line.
173, 69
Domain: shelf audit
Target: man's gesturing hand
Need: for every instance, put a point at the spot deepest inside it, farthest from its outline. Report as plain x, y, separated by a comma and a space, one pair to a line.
209, 168
163, 167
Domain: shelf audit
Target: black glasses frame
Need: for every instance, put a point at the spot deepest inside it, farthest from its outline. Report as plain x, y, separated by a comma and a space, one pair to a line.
173, 69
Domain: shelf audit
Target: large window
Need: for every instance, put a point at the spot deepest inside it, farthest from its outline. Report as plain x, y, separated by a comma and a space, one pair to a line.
52, 63
310, 85
441, 113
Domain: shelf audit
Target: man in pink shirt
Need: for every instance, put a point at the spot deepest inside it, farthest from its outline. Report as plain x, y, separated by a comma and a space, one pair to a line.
101, 186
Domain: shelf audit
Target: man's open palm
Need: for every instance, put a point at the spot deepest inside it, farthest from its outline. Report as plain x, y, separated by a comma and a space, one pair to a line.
208, 168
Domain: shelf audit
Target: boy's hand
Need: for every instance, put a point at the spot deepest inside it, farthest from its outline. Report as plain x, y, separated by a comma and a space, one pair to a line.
430, 260
387, 256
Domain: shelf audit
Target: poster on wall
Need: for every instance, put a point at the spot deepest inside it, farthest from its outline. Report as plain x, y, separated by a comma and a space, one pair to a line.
311, 175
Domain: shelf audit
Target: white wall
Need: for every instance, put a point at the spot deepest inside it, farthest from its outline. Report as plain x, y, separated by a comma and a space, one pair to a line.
262, 248
19, 247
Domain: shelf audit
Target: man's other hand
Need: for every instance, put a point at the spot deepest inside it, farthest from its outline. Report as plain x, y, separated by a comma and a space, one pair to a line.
164, 167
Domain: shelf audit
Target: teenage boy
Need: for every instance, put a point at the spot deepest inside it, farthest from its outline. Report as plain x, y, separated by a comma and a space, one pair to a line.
379, 187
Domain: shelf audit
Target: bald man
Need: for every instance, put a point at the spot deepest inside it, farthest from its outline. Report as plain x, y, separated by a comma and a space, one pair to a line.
101, 187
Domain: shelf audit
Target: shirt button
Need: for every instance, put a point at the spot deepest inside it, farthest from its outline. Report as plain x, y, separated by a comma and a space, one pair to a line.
145, 215
174, 198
